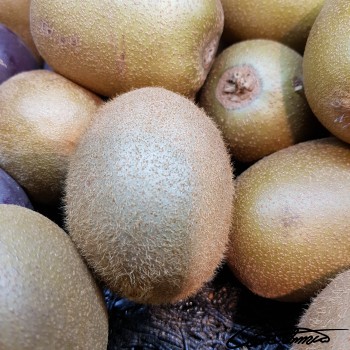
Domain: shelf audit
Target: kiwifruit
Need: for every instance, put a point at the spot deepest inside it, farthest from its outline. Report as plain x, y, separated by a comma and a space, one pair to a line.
42, 116
14, 14
254, 93
287, 21
290, 229
115, 46
149, 196
326, 67
326, 323
48, 297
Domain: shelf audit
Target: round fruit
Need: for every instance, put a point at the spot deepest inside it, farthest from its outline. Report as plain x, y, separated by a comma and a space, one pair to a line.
116, 46
329, 311
48, 298
326, 68
14, 55
42, 117
149, 196
11, 192
290, 230
254, 94
14, 14
287, 21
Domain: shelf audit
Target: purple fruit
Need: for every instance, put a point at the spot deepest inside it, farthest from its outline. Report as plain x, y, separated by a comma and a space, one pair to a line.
15, 57
11, 192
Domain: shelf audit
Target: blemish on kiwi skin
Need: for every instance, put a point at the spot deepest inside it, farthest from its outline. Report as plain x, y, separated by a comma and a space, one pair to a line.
69, 41
343, 119
209, 53
238, 86
343, 106
121, 58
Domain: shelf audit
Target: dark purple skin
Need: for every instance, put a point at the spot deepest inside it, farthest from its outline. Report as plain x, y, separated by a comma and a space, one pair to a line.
11, 192
15, 57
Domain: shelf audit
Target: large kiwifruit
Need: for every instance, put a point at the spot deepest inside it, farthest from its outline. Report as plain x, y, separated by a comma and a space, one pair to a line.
290, 229
42, 117
111, 47
48, 297
254, 93
149, 196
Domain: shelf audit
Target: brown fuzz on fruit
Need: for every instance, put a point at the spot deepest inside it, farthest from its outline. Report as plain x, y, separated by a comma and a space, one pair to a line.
326, 68
48, 297
116, 46
254, 93
42, 117
290, 230
149, 196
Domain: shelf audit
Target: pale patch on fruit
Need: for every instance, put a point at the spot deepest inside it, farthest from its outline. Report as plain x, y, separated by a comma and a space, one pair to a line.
209, 53
238, 87
2, 63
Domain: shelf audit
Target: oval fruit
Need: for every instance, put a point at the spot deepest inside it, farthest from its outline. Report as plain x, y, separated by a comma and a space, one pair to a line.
42, 117
149, 196
115, 46
14, 55
290, 230
326, 67
11, 192
48, 298
328, 312
254, 94
287, 21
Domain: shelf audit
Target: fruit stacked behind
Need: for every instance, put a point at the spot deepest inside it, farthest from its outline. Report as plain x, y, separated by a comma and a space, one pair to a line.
145, 180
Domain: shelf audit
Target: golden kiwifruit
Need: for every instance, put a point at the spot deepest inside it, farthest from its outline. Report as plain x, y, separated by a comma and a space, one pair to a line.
115, 46
290, 229
254, 93
287, 21
149, 196
48, 297
14, 14
326, 68
42, 116
326, 323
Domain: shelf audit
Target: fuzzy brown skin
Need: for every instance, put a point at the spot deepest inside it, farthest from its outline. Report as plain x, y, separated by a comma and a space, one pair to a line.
14, 14
326, 68
254, 93
329, 310
290, 229
42, 117
48, 298
149, 196
112, 47
287, 21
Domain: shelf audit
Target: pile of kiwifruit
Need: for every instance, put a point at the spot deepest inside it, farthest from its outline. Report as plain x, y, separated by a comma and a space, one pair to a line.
174, 174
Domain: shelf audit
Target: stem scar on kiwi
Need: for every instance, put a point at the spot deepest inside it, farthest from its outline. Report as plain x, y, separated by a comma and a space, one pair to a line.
238, 86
